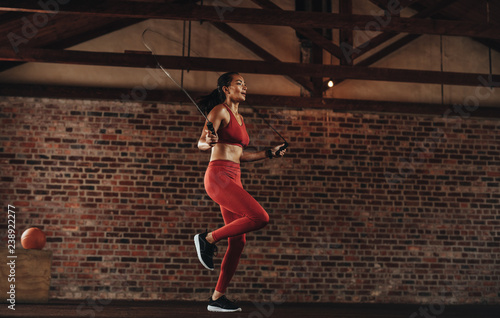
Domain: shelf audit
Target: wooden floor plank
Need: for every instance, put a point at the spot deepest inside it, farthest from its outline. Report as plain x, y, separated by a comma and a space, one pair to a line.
171, 309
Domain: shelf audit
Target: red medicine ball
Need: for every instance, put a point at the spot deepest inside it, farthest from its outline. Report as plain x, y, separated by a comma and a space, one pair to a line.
33, 238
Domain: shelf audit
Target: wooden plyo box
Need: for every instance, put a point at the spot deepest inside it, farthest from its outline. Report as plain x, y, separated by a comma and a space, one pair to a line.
32, 275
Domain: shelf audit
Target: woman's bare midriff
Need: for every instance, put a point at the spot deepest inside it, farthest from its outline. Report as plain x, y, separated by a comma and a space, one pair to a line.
226, 152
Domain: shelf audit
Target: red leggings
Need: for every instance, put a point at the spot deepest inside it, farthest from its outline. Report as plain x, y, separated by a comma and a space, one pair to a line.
241, 213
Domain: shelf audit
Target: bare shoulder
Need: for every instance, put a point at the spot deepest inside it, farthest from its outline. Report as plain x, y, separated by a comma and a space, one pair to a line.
220, 109
219, 112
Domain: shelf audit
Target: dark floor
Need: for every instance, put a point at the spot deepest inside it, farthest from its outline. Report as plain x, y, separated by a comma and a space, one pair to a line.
122, 309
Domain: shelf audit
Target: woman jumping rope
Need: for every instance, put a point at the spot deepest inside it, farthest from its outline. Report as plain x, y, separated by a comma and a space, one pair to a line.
240, 211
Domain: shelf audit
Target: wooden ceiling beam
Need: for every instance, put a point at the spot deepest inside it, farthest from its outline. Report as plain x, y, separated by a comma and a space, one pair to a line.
292, 102
141, 10
377, 56
389, 4
60, 31
309, 33
243, 66
446, 15
386, 36
75, 31
259, 51
346, 36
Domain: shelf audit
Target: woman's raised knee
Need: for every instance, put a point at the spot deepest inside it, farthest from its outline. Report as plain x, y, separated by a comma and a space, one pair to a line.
262, 220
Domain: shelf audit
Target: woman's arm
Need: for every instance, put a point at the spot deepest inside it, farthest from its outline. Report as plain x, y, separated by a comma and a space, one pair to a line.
207, 139
260, 155
252, 156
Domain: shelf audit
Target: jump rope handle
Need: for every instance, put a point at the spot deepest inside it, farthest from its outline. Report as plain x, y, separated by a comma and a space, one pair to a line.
277, 153
210, 127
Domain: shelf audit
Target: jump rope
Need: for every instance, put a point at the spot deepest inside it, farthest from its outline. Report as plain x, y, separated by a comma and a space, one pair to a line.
210, 125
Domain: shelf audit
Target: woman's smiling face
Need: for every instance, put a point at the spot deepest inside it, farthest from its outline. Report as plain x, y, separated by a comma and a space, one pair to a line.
237, 91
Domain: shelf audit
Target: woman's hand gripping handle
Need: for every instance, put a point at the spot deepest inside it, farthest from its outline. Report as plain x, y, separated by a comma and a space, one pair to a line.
278, 151
211, 137
210, 127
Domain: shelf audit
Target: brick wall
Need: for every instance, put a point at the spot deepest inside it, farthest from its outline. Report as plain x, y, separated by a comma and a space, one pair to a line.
365, 207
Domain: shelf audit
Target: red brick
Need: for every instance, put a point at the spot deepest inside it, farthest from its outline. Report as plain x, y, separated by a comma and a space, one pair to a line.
127, 206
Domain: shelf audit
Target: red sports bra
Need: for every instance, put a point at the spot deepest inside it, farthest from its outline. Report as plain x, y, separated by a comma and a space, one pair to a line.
233, 133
